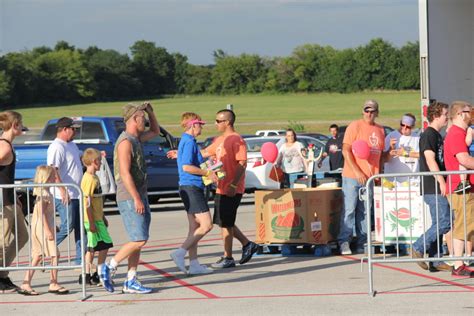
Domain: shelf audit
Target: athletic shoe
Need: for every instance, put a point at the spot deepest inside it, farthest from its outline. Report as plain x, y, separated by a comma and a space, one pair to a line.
201, 269
345, 249
247, 252
95, 280
419, 255
440, 266
134, 286
462, 272
462, 186
106, 279
224, 263
7, 286
178, 260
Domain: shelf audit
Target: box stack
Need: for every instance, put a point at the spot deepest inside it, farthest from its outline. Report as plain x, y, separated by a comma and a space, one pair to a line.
297, 216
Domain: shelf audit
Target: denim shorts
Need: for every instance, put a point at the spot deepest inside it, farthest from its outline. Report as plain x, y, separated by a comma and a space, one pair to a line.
194, 199
136, 225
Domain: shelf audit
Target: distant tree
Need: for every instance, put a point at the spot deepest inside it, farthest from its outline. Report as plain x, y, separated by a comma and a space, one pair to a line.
112, 74
180, 72
23, 79
409, 71
153, 67
63, 45
198, 80
281, 75
4, 88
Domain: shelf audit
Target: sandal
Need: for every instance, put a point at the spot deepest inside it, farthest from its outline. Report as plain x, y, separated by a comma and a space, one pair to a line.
60, 291
28, 292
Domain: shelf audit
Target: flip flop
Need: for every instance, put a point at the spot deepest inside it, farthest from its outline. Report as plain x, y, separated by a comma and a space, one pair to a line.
60, 291
27, 292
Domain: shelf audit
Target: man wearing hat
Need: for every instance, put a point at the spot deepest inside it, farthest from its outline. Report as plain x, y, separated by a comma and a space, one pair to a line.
355, 173
402, 148
132, 198
64, 155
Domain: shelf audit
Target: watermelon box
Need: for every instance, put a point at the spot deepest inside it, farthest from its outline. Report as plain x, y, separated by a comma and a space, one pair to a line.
400, 214
297, 215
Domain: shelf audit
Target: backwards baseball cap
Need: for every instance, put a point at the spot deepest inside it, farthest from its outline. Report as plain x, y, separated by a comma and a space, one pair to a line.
371, 105
130, 109
64, 122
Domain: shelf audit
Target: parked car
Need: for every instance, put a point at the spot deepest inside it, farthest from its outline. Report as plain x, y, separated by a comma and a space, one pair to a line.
386, 129
257, 172
321, 137
270, 132
102, 133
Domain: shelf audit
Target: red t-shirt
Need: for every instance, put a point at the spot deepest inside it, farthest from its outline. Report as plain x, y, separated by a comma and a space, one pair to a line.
230, 150
455, 143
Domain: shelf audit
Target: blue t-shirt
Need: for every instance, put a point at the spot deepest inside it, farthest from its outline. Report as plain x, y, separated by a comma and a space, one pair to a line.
189, 154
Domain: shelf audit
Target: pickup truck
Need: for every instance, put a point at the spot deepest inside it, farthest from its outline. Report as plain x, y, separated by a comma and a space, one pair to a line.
102, 133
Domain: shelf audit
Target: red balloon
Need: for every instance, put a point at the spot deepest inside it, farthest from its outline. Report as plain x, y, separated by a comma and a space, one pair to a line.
269, 152
361, 149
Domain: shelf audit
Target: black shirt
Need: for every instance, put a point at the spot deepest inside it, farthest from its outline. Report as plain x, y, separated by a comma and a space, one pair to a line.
432, 140
7, 176
334, 150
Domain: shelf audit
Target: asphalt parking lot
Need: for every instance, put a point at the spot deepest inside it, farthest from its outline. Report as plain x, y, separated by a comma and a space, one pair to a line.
268, 284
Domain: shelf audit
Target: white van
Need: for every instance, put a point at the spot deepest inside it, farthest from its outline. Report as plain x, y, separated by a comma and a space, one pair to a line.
271, 132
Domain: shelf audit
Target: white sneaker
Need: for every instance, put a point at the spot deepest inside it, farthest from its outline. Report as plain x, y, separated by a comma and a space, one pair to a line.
201, 269
178, 260
345, 249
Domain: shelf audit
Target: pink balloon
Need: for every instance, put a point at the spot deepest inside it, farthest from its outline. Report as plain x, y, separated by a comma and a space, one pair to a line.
361, 149
269, 152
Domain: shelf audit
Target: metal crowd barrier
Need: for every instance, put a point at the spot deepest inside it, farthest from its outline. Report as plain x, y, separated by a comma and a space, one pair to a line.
66, 261
404, 226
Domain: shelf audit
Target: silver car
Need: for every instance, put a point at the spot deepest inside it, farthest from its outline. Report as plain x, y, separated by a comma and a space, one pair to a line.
258, 170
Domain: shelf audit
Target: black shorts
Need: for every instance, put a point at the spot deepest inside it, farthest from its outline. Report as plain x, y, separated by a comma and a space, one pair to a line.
225, 209
194, 199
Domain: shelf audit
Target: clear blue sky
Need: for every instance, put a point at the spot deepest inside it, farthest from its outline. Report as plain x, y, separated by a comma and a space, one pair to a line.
196, 28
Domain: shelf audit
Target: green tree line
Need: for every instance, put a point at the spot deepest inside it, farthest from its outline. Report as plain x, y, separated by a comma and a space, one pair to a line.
66, 74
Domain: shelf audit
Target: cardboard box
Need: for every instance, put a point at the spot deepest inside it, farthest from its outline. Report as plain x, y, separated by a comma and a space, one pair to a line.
403, 208
297, 215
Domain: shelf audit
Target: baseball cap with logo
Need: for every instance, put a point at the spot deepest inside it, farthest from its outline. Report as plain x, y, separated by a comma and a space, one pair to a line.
64, 122
130, 109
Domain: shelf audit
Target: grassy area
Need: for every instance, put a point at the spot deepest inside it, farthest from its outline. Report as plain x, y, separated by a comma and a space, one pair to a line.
315, 111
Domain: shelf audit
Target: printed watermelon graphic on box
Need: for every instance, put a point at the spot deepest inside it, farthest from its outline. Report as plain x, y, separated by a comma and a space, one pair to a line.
402, 218
287, 227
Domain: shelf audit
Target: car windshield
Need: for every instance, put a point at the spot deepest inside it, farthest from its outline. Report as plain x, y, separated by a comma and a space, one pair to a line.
254, 145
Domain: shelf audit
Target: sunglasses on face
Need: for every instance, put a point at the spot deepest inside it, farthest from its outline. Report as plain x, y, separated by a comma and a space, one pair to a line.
369, 111
406, 126
220, 121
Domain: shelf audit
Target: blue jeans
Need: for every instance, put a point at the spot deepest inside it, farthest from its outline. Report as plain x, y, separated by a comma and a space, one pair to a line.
432, 235
70, 219
353, 213
136, 225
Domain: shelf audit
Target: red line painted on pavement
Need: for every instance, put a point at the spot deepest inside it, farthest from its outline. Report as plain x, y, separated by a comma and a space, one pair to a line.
467, 287
236, 297
179, 281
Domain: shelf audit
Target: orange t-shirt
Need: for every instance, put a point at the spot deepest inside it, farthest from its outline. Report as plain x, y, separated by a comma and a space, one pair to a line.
374, 135
229, 150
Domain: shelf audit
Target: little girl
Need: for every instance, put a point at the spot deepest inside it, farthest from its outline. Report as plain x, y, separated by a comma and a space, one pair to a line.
43, 229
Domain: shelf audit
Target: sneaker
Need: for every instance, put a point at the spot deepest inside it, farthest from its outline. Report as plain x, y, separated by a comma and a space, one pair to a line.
135, 287
462, 272
178, 260
88, 279
201, 269
224, 263
7, 286
419, 255
462, 186
345, 249
106, 279
248, 251
440, 266
95, 280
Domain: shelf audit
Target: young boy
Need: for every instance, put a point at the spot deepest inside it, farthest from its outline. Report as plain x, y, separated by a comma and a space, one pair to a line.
95, 223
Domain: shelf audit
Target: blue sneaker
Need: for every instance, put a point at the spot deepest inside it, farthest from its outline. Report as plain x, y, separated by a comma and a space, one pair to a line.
106, 278
135, 287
